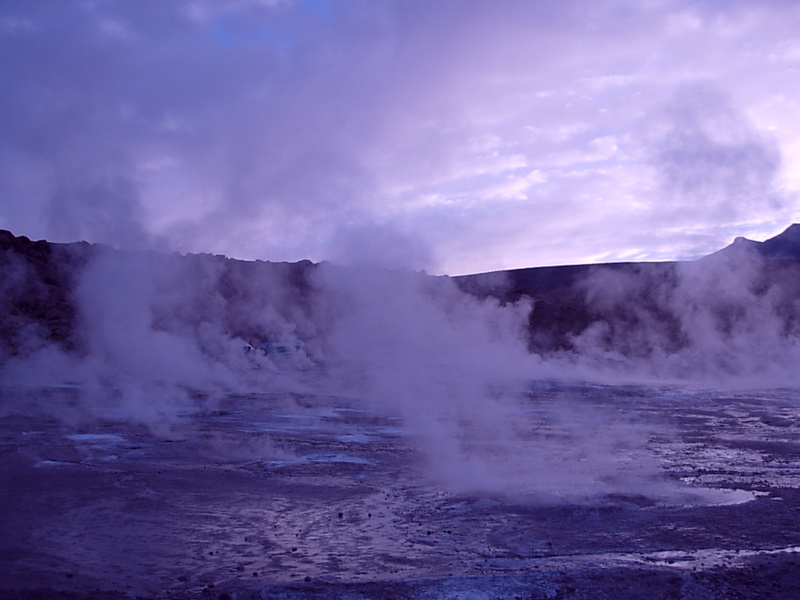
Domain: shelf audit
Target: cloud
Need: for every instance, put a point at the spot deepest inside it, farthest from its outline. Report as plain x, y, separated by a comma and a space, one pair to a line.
711, 163
261, 128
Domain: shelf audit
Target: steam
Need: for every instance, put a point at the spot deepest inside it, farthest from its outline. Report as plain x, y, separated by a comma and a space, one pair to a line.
379, 245
456, 370
729, 318
252, 154
450, 366
160, 335
104, 208
155, 333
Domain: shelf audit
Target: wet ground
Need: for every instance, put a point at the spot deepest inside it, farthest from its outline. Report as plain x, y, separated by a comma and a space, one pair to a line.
309, 496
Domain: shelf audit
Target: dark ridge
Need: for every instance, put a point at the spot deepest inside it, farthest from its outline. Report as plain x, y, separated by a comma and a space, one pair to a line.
627, 308
636, 306
36, 290
785, 245
562, 297
39, 281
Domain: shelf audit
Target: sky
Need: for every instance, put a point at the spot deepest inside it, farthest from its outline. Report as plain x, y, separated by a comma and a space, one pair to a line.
455, 136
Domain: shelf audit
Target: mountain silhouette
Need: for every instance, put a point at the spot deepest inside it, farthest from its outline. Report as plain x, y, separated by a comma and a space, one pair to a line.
785, 245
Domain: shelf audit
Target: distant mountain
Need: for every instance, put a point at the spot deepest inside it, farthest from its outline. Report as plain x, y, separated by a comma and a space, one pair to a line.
785, 245
650, 308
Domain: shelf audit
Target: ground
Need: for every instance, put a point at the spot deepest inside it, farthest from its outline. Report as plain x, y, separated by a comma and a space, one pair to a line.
308, 496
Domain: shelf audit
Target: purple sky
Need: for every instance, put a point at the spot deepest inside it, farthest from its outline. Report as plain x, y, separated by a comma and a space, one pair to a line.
455, 136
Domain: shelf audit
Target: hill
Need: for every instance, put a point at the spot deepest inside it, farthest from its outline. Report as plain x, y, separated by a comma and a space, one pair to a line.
51, 293
746, 293
785, 245
736, 294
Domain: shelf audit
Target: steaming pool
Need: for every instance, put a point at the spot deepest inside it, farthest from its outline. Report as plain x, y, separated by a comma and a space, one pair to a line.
602, 492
